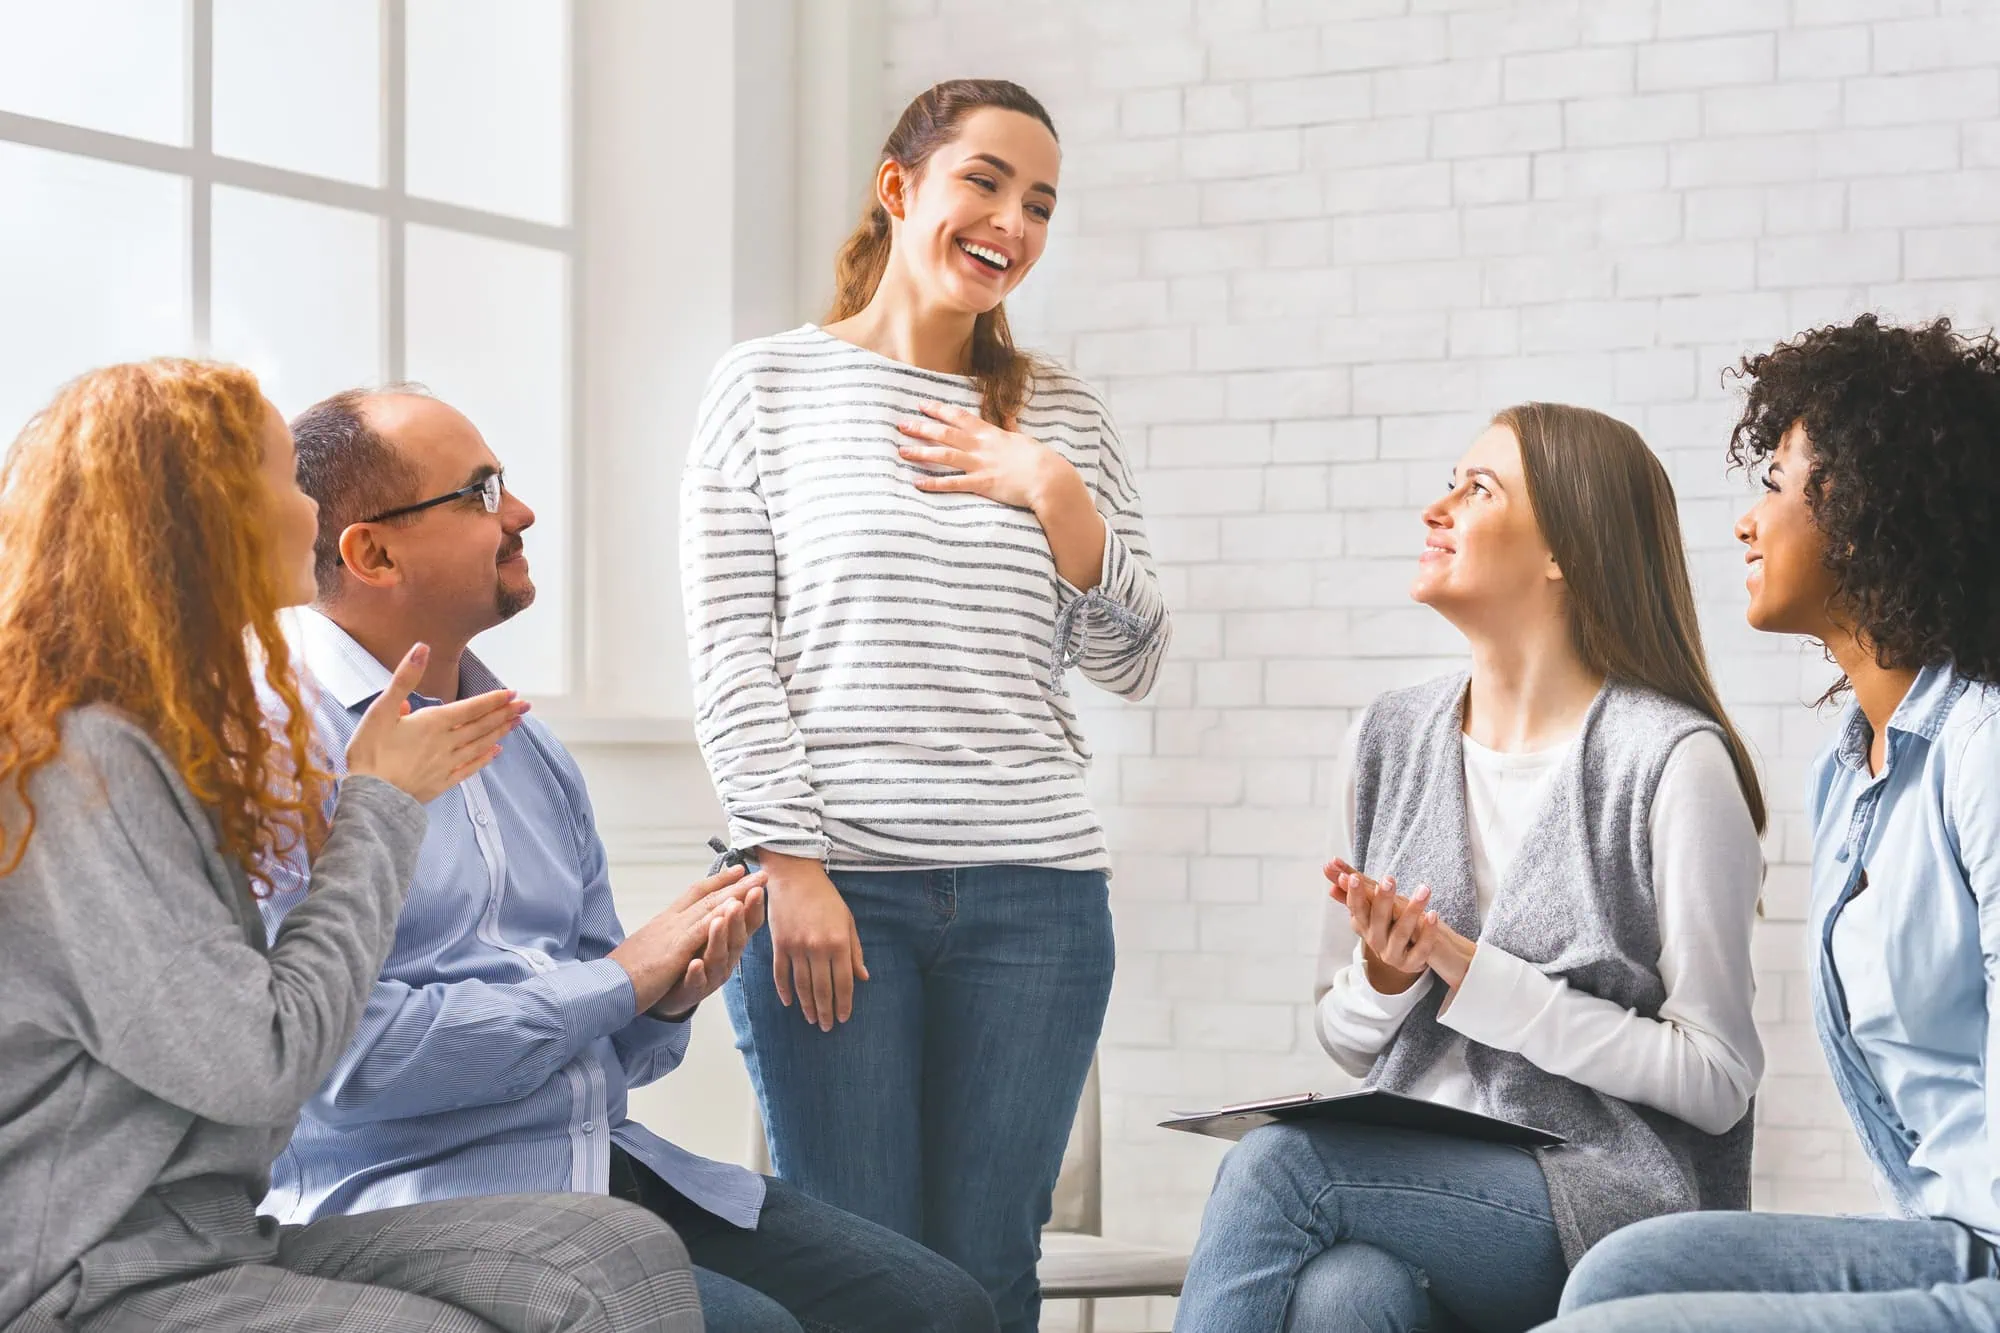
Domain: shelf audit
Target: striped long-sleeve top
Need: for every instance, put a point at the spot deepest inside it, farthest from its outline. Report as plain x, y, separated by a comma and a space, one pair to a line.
878, 669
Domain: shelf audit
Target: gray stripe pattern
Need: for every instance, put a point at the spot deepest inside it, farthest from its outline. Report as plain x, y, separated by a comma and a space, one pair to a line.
878, 669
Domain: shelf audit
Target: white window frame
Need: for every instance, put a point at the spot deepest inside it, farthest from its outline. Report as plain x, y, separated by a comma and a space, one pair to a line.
390, 203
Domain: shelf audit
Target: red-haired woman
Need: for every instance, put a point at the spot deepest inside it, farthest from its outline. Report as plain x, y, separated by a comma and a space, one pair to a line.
898, 532
154, 1051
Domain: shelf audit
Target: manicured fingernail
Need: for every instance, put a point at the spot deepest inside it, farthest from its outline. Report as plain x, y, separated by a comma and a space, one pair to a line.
420, 653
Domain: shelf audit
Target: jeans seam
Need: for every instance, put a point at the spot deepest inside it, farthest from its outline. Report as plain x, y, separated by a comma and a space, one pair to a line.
1436, 1190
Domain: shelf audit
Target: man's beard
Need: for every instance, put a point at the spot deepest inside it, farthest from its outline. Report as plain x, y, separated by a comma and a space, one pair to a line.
511, 602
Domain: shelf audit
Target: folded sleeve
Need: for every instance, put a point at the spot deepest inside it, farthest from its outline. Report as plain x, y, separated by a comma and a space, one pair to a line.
1116, 634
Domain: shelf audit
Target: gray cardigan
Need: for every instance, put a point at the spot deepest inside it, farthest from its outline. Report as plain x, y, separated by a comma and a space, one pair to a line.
1578, 904
148, 1037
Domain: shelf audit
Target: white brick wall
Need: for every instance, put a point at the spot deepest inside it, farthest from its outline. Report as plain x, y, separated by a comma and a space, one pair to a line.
1307, 247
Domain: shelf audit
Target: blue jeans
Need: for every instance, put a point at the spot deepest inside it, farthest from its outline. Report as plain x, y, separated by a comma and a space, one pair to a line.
1765, 1273
941, 1108
807, 1267
1352, 1227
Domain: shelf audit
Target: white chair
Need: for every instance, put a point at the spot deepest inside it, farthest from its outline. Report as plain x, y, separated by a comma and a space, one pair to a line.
1078, 1263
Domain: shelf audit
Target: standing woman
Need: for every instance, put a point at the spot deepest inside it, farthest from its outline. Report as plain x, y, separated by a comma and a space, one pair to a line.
1879, 453
1576, 821
154, 1049
898, 532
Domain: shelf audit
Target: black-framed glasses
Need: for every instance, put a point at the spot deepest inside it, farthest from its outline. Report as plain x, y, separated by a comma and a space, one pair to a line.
487, 488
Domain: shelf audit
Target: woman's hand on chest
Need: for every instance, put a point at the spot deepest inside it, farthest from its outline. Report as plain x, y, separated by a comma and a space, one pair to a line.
1007, 466
988, 460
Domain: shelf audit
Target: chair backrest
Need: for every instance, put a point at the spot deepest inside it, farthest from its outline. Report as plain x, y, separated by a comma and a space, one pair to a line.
1079, 1198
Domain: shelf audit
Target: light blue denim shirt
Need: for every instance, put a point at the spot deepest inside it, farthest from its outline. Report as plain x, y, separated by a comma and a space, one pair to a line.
499, 1042
1905, 938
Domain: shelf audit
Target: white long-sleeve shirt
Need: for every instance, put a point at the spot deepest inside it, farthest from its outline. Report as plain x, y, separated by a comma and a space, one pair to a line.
1699, 1060
873, 664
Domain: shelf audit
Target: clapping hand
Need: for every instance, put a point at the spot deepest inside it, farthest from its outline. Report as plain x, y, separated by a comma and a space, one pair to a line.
1401, 938
730, 927
683, 954
428, 751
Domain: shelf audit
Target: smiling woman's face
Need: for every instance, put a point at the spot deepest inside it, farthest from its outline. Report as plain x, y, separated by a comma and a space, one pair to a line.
1790, 586
1483, 550
975, 219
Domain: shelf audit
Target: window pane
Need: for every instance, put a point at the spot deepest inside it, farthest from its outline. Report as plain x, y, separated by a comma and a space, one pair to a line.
487, 331
115, 65
297, 295
94, 267
488, 99
298, 84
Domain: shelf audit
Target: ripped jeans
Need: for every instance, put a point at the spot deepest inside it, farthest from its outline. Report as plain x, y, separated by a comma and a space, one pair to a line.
1351, 1227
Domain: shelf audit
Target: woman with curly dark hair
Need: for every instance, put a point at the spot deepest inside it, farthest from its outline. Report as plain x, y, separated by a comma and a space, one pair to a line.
1876, 535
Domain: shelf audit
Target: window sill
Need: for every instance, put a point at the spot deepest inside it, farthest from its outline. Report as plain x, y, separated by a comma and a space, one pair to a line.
575, 729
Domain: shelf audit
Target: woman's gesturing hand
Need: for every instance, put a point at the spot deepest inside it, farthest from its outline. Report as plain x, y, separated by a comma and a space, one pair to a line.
1401, 936
815, 949
1396, 936
429, 751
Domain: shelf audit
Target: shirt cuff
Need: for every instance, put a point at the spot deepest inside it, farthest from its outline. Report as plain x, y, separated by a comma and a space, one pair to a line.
1386, 1004
596, 998
1499, 999
808, 844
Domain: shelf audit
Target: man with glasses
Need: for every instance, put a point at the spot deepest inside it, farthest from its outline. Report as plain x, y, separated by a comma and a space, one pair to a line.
513, 1013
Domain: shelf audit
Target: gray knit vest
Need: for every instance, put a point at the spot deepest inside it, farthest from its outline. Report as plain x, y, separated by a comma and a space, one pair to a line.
1578, 904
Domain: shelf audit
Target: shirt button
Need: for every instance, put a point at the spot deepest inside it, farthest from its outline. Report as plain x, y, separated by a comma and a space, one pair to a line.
1840, 855
480, 819
589, 1126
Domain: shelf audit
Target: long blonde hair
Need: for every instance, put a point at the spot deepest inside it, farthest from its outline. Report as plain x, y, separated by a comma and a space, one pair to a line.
1606, 508
132, 515
1003, 373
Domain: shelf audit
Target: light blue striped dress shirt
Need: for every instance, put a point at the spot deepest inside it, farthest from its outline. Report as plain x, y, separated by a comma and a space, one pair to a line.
500, 1041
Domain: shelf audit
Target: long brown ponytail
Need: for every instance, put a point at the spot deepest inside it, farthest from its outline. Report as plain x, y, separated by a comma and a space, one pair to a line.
927, 124
1607, 511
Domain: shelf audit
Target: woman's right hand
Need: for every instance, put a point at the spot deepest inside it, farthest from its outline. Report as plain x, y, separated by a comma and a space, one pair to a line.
815, 949
430, 751
1397, 936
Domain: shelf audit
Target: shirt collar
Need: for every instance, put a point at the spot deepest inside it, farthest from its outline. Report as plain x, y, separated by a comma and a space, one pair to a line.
350, 674
1922, 713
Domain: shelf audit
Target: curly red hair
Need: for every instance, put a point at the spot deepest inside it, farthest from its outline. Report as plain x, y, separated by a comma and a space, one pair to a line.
137, 575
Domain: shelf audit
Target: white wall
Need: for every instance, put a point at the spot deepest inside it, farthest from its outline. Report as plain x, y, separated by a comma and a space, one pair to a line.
1308, 247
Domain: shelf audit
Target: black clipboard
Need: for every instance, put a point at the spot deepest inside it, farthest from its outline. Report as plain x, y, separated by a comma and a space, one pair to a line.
1370, 1106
